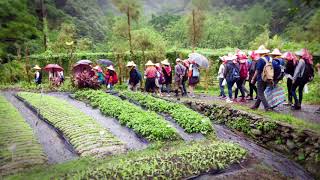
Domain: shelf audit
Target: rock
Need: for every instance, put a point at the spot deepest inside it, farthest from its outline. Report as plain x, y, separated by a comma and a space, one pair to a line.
290, 144
256, 132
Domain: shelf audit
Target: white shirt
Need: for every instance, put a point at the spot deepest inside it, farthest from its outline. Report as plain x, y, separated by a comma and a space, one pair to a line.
221, 71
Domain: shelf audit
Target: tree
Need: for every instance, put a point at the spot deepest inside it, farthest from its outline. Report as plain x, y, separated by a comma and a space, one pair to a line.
66, 38
132, 10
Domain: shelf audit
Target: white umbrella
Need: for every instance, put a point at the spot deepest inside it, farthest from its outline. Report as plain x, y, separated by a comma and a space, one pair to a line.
199, 59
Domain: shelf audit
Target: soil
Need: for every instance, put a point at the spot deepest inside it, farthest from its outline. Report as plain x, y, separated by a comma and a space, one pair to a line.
125, 134
54, 145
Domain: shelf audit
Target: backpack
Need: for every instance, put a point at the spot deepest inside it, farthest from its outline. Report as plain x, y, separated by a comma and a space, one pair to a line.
235, 74
243, 71
308, 73
268, 72
278, 70
115, 78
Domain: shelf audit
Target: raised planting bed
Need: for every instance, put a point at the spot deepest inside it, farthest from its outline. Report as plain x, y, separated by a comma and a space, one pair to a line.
19, 149
171, 161
85, 135
189, 120
145, 123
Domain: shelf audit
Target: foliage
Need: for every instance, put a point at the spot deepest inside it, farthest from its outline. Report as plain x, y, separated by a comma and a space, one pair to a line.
146, 123
313, 97
240, 124
87, 137
161, 22
188, 119
12, 72
19, 148
179, 162
66, 35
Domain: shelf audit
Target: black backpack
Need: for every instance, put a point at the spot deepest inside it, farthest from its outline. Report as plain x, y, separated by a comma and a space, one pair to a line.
234, 73
308, 74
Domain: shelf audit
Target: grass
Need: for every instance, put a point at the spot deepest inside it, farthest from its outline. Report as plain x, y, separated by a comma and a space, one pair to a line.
19, 149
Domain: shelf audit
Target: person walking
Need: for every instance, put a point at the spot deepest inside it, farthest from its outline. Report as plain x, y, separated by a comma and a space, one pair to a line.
303, 74
243, 69
232, 75
221, 77
37, 75
278, 66
194, 77
185, 77
264, 77
159, 79
167, 73
290, 63
135, 77
150, 75
252, 68
180, 71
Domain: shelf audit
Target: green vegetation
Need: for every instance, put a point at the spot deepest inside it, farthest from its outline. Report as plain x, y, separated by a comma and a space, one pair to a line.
177, 161
85, 135
19, 148
146, 123
188, 119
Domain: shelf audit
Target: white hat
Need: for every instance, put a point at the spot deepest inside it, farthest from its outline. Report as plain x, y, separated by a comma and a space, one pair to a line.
276, 52
165, 62
299, 53
230, 57
37, 67
157, 64
131, 63
110, 68
149, 63
178, 60
262, 50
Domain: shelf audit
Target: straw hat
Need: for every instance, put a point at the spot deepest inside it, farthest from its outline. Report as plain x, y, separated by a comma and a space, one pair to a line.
230, 57
111, 68
165, 62
36, 67
262, 50
299, 53
131, 64
276, 52
157, 64
149, 63
178, 60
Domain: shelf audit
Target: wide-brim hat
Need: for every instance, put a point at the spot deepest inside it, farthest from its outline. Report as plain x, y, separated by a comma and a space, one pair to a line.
165, 62
262, 50
178, 60
276, 52
36, 67
149, 63
157, 64
111, 68
131, 63
299, 53
230, 57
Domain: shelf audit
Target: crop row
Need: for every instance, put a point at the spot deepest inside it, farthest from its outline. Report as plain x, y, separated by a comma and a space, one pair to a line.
82, 132
179, 162
146, 123
191, 121
19, 149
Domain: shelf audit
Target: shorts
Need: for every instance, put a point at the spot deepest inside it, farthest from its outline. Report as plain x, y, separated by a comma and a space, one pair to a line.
193, 80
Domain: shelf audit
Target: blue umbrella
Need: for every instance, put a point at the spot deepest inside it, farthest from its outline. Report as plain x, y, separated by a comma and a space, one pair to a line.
105, 62
85, 61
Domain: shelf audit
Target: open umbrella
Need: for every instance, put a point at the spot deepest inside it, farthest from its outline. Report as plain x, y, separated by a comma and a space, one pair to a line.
53, 67
85, 61
199, 59
105, 62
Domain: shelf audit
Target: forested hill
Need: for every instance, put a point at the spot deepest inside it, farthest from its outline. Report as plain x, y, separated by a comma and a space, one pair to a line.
93, 24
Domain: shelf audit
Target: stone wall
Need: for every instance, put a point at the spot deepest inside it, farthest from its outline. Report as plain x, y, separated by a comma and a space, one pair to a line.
303, 146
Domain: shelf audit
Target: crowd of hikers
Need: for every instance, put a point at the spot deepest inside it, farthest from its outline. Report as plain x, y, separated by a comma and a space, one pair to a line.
261, 68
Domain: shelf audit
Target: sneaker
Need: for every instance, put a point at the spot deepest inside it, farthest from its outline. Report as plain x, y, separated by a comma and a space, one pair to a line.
229, 101
243, 100
253, 107
168, 95
249, 98
235, 100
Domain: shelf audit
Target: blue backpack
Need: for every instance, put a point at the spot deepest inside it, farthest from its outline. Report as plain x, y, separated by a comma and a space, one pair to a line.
235, 74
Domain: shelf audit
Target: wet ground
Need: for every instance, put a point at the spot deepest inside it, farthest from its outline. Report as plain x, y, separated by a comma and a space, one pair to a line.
55, 147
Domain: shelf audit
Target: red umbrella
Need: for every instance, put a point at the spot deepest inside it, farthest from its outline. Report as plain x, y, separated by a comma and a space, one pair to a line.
53, 67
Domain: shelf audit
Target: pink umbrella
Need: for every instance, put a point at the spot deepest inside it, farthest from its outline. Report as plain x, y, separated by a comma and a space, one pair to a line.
53, 67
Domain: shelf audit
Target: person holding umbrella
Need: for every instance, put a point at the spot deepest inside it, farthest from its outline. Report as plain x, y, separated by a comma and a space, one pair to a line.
135, 77
37, 75
194, 77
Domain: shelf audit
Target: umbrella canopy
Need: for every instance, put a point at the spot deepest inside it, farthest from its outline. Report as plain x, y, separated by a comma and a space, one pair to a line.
105, 62
53, 67
199, 59
78, 68
85, 61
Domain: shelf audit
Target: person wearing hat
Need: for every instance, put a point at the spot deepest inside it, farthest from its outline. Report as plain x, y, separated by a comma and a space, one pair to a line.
261, 85
242, 61
299, 76
135, 76
180, 71
99, 74
159, 79
37, 75
252, 68
291, 62
111, 77
167, 73
232, 75
150, 75
221, 76
278, 65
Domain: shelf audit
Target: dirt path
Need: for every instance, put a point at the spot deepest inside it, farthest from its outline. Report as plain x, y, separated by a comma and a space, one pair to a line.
55, 147
125, 134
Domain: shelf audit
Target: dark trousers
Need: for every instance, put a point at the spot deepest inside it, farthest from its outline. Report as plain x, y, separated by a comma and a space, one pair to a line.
240, 85
150, 85
184, 88
230, 84
253, 87
289, 87
221, 87
261, 98
300, 85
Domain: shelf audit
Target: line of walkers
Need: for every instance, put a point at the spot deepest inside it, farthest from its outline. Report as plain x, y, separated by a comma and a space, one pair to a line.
159, 77
263, 70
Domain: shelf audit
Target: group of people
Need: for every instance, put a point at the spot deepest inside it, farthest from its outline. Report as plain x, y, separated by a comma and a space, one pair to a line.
159, 77
56, 78
107, 76
263, 69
